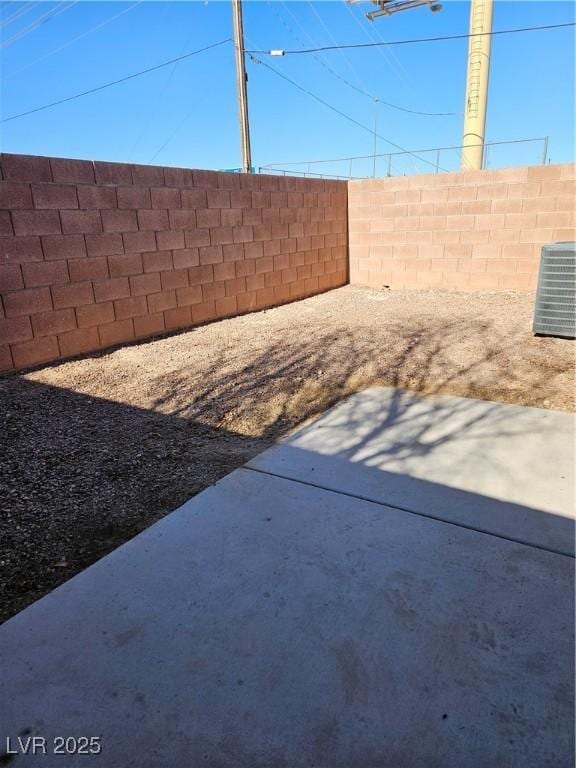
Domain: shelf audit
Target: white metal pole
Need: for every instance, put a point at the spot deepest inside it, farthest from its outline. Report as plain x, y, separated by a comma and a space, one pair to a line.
481, 12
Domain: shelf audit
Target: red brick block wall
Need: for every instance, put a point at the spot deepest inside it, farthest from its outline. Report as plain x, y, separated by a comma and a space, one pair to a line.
468, 231
94, 254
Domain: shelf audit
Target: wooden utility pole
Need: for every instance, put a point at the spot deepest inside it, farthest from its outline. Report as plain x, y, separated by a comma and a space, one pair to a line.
241, 86
481, 12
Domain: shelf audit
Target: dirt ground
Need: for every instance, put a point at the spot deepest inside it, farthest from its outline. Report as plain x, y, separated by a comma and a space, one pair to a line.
97, 449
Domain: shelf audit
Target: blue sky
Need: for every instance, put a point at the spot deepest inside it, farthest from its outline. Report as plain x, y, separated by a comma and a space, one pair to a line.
186, 114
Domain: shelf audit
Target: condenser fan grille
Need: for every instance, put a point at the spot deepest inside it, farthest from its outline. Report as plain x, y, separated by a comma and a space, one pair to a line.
555, 310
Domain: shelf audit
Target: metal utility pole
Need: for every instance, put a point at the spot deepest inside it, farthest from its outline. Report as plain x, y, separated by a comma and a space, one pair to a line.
375, 137
481, 12
241, 80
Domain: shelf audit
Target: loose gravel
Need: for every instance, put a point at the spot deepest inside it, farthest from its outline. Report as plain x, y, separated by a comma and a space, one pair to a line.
97, 449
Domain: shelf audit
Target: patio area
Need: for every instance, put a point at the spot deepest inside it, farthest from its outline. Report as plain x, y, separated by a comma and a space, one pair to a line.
391, 586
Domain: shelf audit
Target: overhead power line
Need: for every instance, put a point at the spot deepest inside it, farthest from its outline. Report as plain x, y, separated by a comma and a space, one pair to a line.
378, 100
339, 112
73, 40
361, 90
114, 82
18, 14
345, 58
165, 143
372, 33
158, 102
38, 22
419, 40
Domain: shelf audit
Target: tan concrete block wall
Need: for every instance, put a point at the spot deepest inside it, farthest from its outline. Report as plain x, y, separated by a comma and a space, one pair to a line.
94, 254
468, 231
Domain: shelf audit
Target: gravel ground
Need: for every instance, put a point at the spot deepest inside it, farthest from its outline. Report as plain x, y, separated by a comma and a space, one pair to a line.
97, 449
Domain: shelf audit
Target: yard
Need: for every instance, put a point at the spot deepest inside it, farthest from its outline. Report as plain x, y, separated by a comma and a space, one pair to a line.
97, 449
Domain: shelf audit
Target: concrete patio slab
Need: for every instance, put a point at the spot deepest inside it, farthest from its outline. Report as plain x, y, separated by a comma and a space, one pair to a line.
271, 623
491, 466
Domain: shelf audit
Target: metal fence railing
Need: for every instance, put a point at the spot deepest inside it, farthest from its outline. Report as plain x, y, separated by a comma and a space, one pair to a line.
306, 174
497, 154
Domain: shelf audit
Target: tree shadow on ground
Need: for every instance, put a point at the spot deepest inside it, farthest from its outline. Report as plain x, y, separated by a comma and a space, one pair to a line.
82, 474
286, 383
